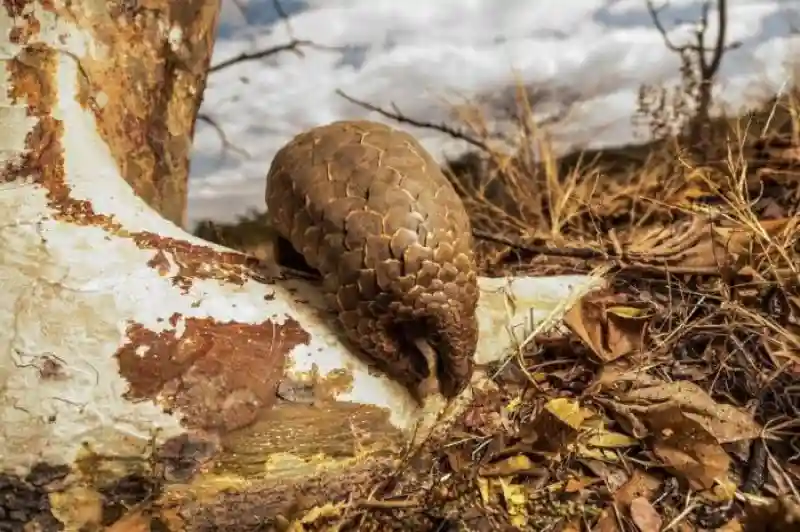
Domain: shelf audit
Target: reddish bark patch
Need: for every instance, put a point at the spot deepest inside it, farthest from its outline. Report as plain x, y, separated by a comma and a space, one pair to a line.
195, 261
32, 75
218, 376
150, 79
25, 23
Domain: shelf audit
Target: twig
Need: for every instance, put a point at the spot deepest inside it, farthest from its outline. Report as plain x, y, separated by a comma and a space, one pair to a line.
398, 116
575, 253
386, 505
291, 46
226, 144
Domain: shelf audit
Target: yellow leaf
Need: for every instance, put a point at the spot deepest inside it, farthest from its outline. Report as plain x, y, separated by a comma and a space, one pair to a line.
516, 500
318, 512
724, 490
519, 521
510, 466
597, 453
483, 488
514, 494
612, 440
540, 376
629, 312
568, 411
514, 404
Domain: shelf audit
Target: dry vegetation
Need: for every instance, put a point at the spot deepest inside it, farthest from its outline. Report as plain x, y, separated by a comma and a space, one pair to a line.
670, 398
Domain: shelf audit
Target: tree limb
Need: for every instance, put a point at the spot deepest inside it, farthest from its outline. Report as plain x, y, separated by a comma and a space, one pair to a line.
398, 116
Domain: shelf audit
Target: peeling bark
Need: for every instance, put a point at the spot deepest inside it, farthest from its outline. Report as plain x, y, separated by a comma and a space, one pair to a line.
139, 363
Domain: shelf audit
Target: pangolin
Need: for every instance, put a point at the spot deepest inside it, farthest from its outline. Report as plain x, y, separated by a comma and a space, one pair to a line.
371, 210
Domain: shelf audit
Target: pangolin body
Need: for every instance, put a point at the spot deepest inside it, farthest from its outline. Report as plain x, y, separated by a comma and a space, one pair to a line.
371, 210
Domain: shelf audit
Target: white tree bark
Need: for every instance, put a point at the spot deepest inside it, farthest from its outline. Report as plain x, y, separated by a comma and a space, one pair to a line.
120, 333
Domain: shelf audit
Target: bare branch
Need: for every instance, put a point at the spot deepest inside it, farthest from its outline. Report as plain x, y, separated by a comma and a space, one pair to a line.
292, 46
656, 18
396, 115
226, 144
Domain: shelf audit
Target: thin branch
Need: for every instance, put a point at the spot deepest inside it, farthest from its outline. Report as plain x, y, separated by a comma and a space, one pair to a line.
655, 16
398, 116
226, 144
292, 46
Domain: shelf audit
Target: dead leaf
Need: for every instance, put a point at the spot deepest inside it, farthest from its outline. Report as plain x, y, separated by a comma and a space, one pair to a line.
510, 466
558, 425
609, 329
620, 373
612, 440
731, 526
133, 522
576, 484
516, 502
686, 448
77, 507
725, 422
639, 486
613, 477
607, 522
702, 243
457, 459
568, 411
644, 515
483, 489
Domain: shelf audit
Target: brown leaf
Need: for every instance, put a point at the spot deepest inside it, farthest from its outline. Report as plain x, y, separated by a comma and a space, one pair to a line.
640, 485
686, 448
731, 526
611, 330
457, 459
725, 422
644, 515
607, 522
557, 425
703, 243
133, 522
619, 373
612, 476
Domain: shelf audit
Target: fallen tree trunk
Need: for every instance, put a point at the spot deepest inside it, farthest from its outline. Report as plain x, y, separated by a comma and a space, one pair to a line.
143, 366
